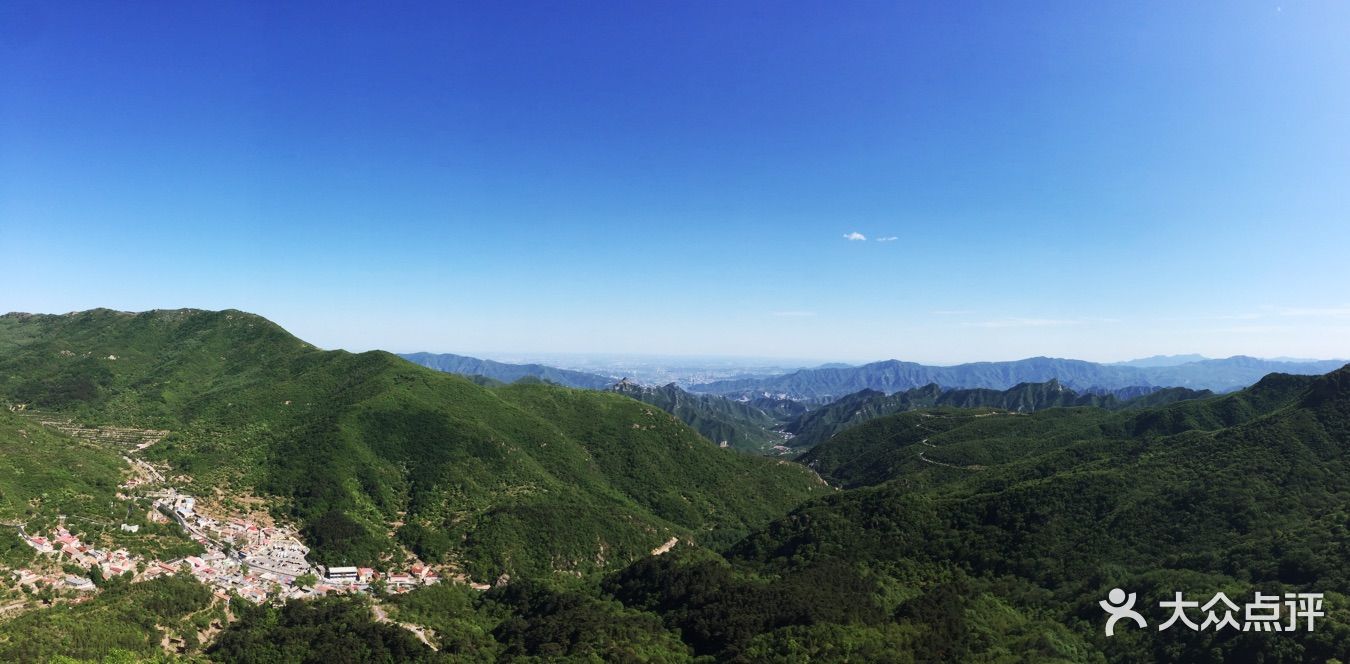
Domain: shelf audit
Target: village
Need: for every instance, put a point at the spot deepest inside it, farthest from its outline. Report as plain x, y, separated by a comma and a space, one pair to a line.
259, 563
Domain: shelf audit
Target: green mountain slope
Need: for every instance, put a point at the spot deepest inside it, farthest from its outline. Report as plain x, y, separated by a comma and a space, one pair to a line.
1006, 550
123, 623
507, 373
44, 473
510, 479
817, 426
1000, 555
47, 476
736, 424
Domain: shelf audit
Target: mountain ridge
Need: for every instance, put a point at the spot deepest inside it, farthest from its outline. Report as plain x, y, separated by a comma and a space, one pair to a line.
890, 376
505, 372
963, 536
819, 424
736, 424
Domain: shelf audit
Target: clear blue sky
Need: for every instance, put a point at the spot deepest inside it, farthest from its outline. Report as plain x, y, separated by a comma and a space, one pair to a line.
1064, 178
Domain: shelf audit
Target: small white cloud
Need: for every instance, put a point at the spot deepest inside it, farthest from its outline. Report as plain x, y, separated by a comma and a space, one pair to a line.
952, 312
888, 238
794, 314
855, 236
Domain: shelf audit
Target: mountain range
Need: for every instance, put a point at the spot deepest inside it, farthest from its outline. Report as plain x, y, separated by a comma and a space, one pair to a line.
970, 536
737, 424
1165, 360
756, 419
893, 376
508, 373
818, 425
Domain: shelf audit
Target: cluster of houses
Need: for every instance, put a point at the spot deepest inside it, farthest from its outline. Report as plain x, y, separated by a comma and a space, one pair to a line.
360, 578
254, 562
264, 548
270, 571
35, 581
68, 547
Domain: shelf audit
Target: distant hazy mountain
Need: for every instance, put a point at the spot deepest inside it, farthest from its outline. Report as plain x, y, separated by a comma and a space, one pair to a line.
507, 373
894, 376
736, 424
1163, 360
1233, 373
817, 426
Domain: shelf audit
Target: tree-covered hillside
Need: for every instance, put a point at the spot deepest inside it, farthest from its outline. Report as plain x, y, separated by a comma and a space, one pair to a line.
985, 536
507, 373
123, 623
818, 425
1043, 514
517, 479
48, 477
737, 424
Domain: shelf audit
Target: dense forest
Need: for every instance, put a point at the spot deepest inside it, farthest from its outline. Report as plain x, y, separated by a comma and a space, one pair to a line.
820, 424
1001, 555
124, 622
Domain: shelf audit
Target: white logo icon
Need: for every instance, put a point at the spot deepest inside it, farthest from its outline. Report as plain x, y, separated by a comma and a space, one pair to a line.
1120, 605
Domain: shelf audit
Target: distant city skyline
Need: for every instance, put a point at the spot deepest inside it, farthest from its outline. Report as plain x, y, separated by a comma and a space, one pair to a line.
936, 183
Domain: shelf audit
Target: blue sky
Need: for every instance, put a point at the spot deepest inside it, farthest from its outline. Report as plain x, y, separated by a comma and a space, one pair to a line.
1064, 178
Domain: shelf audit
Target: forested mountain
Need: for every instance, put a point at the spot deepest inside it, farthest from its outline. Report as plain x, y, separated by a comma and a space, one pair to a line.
507, 373
781, 409
876, 451
736, 424
125, 623
894, 376
524, 478
977, 537
816, 426
47, 477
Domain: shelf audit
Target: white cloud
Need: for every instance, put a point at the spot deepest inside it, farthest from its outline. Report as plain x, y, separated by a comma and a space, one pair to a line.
855, 236
952, 312
794, 314
888, 238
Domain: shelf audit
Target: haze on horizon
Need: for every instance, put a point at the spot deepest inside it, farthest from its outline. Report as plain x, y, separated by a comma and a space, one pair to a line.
933, 183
